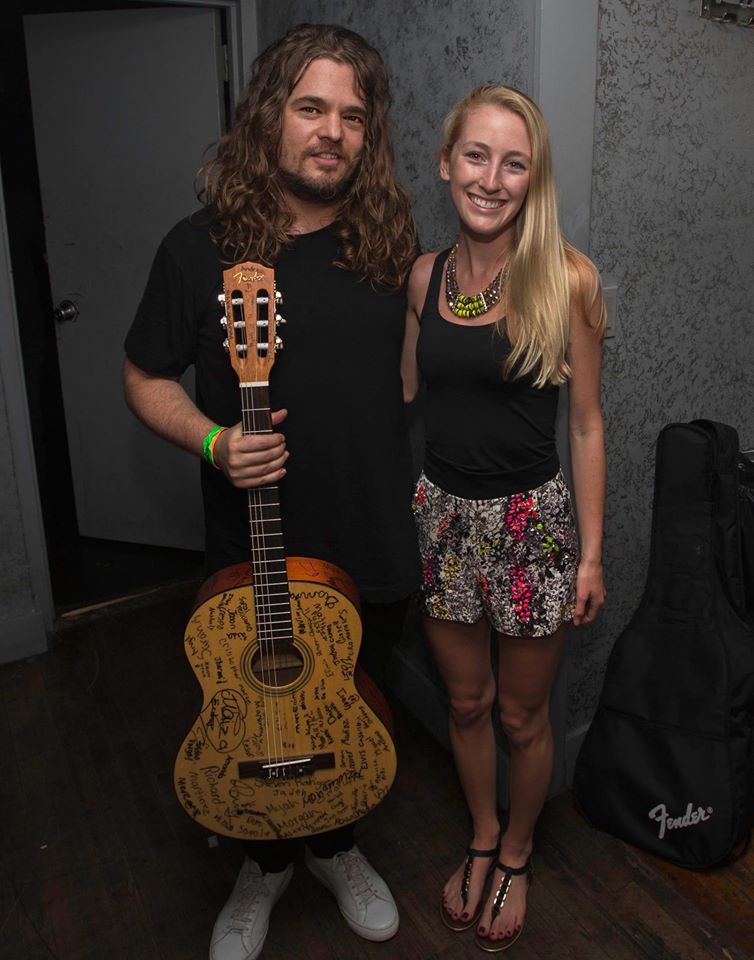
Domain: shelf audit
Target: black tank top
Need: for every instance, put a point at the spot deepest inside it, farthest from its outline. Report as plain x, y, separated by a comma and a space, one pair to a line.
486, 436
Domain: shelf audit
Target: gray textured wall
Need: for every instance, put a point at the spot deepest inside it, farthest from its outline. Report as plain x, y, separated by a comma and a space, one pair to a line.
435, 51
673, 222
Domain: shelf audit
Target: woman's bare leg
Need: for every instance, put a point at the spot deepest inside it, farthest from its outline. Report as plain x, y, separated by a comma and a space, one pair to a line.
462, 654
527, 671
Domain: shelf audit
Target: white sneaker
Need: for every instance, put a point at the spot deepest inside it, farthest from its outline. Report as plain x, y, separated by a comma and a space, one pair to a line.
363, 896
242, 925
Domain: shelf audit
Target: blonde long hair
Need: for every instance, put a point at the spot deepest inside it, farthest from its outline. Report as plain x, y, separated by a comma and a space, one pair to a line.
545, 272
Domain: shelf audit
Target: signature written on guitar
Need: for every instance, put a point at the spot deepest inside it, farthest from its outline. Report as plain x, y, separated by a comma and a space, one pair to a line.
325, 714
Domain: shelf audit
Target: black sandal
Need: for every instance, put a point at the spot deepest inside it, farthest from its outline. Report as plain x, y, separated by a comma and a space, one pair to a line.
499, 944
461, 924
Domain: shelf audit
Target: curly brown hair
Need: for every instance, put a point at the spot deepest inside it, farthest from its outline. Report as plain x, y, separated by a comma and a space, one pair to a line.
251, 220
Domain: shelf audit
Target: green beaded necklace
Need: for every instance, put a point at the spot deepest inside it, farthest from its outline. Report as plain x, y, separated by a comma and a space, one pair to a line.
469, 307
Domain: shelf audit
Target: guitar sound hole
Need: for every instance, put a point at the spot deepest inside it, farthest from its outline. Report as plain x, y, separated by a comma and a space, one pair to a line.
277, 668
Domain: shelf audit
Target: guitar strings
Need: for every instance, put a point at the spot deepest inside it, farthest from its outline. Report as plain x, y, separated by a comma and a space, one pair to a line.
271, 493
250, 426
262, 604
261, 497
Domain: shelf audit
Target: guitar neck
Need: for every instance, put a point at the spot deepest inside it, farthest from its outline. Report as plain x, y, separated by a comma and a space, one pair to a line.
271, 590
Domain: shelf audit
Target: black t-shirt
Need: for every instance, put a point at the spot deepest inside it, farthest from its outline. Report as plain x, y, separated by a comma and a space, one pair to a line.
486, 436
347, 492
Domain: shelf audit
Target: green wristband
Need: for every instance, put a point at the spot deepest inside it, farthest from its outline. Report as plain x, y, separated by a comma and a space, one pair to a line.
207, 445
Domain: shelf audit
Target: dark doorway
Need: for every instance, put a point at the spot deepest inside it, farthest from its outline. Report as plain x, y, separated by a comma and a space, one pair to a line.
83, 571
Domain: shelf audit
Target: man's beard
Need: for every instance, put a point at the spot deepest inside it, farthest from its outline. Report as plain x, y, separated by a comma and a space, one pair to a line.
308, 188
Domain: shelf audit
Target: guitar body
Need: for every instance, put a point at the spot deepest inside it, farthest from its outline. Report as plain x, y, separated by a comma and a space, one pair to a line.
286, 744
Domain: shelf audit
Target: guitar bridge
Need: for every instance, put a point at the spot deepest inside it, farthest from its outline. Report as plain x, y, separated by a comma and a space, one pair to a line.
285, 769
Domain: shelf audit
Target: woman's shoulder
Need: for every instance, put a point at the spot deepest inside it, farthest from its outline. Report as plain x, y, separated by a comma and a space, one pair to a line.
424, 263
421, 272
582, 273
586, 288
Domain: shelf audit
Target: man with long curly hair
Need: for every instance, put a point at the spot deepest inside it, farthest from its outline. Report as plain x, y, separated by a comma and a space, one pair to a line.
305, 182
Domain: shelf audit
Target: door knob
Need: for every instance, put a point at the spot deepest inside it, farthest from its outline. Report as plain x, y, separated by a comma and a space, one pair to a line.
66, 310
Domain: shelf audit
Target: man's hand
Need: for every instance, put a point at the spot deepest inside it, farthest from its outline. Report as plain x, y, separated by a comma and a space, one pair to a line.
253, 460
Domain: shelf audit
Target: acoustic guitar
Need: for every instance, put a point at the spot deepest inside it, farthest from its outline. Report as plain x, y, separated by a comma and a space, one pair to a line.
292, 738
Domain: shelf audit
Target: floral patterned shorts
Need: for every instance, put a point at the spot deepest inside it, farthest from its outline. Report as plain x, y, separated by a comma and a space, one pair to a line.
513, 558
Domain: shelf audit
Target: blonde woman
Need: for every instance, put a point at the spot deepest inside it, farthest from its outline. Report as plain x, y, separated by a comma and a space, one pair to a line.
495, 324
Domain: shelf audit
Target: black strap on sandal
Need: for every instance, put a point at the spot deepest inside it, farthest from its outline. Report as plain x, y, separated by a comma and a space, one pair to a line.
468, 864
505, 884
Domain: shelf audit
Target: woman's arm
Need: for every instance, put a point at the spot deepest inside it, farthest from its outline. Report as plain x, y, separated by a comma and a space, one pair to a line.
418, 282
586, 434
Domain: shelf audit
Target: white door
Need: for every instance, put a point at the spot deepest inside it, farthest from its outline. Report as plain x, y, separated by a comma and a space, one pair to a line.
126, 106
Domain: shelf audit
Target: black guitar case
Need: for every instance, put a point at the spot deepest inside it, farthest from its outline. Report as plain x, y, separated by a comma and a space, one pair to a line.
668, 762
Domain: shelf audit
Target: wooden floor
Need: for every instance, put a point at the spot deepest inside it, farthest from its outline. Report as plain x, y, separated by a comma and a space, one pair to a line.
100, 863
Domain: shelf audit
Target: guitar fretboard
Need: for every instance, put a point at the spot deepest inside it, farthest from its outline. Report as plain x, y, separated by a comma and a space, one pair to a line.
271, 591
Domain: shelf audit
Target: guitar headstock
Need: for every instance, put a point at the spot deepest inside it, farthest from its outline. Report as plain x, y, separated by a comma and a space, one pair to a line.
251, 320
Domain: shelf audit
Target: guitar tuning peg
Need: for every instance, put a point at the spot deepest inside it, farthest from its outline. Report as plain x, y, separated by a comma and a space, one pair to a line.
278, 343
279, 319
224, 322
221, 297
226, 346
278, 297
